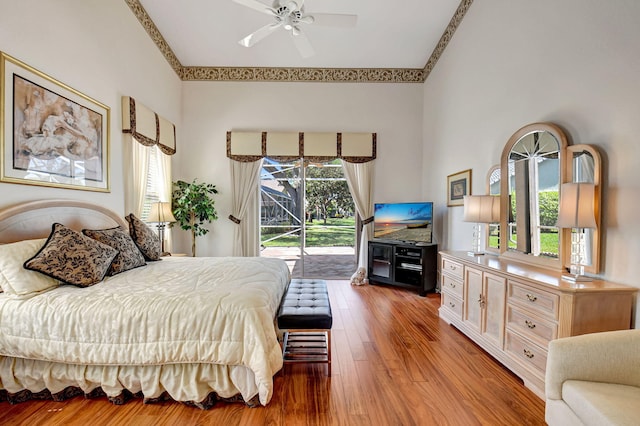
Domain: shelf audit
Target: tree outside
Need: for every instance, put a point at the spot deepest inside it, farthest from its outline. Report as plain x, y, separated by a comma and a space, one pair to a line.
327, 194
329, 211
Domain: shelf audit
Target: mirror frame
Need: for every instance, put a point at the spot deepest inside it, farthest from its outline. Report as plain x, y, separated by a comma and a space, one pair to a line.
561, 137
594, 268
487, 248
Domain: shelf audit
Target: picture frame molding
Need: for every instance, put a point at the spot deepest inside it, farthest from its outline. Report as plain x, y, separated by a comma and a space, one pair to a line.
458, 181
10, 67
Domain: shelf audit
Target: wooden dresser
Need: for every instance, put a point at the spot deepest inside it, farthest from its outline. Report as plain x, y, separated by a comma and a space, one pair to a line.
512, 310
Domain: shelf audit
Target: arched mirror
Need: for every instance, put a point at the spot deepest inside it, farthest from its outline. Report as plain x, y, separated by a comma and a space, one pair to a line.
492, 243
584, 165
532, 167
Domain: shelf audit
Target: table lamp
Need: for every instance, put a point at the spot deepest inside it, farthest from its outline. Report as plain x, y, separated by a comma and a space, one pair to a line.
480, 209
161, 214
577, 212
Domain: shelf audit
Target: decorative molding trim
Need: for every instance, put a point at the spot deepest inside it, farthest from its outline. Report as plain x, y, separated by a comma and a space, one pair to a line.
462, 9
325, 75
155, 35
332, 75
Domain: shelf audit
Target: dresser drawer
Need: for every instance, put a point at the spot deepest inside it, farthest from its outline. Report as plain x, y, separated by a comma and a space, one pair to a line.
531, 326
537, 300
453, 304
452, 285
526, 353
452, 268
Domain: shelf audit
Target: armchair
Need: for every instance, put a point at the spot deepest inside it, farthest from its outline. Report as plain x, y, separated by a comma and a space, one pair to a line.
594, 379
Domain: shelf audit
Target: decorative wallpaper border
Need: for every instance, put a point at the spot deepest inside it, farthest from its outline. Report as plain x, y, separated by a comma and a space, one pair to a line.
326, 75
462, 9
350, 75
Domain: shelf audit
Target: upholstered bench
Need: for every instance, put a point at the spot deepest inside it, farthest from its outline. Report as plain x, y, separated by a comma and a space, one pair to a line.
305, 319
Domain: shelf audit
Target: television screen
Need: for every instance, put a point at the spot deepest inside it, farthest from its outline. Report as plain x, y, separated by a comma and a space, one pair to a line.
411, 222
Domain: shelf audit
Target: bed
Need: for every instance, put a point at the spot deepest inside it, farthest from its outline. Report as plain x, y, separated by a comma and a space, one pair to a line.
195, 330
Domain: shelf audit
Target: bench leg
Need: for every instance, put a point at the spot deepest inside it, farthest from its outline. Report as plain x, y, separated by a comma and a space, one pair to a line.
307, 346
329, 353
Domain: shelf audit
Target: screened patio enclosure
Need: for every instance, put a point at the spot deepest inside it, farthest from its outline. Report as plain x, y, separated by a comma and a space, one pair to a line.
307, 218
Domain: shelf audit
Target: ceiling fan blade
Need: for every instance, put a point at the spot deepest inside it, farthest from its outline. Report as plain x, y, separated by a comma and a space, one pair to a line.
303, 44
334, 20
258, 35
292, 5
256, 5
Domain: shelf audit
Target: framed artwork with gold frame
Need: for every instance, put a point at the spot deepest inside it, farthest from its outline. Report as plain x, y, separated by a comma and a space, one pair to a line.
50, 133
458, 185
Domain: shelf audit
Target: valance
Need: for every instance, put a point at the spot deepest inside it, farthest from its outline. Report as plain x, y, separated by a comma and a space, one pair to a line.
147, 127
312, 146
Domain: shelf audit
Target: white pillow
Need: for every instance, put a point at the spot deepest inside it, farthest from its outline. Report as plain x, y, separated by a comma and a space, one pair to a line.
14, 278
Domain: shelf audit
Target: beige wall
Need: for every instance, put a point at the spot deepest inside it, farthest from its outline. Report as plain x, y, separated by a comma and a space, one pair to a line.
393, 111
572, 62
98, 48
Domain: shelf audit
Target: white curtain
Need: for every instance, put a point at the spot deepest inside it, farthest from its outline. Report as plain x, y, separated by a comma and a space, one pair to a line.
165, 188
360, 180
136, 171
245, 180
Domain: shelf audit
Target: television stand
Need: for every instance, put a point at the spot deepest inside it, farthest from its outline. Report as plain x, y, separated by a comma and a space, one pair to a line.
403, 264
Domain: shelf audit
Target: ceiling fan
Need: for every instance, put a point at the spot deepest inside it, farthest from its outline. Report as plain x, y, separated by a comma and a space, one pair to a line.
290, 14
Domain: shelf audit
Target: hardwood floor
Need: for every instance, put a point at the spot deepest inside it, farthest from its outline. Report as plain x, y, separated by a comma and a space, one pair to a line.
394, 363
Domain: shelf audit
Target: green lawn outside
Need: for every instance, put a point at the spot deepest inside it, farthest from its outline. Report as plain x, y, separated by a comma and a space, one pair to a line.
338, 232
548, 241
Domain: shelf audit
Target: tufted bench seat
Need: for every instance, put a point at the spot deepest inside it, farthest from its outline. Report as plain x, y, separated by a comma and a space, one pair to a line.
305, 318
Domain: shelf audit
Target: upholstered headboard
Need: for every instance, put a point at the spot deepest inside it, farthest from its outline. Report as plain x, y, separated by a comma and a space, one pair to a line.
33, 219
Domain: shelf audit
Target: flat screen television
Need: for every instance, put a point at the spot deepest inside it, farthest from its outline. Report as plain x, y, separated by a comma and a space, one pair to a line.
407, 222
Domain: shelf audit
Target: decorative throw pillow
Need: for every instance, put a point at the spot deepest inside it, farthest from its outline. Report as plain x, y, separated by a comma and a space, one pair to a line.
129, 256
72, 257
14, 279
147, 241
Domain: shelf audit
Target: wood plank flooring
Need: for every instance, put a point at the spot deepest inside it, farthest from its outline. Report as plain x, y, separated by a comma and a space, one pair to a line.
394, 363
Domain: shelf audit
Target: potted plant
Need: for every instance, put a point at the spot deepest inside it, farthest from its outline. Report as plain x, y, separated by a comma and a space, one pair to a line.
193, 206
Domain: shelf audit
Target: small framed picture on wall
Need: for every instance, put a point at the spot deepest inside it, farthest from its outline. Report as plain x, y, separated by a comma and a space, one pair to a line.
458, 185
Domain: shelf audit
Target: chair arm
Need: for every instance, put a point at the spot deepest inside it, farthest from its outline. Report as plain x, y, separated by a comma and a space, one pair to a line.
608, 357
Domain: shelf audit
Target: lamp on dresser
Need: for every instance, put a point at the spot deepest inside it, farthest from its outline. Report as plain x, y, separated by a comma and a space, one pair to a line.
577, 211
161, 214
480, 209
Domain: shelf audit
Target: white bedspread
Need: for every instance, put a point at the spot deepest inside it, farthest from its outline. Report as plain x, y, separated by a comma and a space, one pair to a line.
176, 311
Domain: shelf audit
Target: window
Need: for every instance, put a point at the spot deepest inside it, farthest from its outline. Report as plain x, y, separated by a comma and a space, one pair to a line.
154, 181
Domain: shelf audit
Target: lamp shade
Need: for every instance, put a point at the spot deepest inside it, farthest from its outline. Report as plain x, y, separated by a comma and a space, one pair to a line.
481, 208
161, 213
577, 206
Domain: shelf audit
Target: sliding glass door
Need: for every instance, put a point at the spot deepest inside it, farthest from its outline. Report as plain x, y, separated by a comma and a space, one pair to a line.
308, 218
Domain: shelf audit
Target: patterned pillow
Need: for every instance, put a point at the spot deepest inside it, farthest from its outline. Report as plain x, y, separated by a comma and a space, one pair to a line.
72, 257
129, 256
147, 241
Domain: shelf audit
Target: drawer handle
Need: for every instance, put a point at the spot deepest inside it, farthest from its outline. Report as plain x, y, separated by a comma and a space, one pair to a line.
451, 304
528, 353
531, 297
453, 285
530, 324
481, 301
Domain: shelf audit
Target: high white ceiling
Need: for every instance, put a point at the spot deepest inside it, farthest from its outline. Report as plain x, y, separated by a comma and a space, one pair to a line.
393, 34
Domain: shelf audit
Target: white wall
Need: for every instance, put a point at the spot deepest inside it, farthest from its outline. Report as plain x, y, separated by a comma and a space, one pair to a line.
510, 63
393, 111
100, 49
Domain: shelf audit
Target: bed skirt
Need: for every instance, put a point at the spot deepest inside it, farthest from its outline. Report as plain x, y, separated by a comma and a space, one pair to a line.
200, 385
